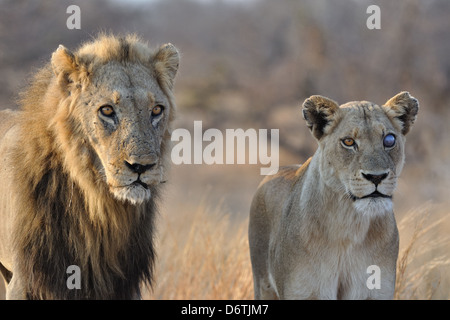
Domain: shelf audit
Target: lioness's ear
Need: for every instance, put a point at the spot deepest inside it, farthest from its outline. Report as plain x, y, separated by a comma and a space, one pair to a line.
166, 63
318, 112
403, 109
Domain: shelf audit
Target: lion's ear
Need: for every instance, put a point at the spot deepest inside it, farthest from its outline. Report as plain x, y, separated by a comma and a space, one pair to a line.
64, 64
63, 61
318, 112
166, 62
403, 109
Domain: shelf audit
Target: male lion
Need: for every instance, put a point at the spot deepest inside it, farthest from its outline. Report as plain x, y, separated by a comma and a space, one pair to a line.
316, 229
81, 168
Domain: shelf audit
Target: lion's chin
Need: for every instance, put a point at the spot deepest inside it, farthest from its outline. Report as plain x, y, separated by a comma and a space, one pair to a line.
135, 193
373, 206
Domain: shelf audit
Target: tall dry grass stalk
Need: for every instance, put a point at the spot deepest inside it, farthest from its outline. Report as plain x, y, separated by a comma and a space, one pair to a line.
423, 267
202, 254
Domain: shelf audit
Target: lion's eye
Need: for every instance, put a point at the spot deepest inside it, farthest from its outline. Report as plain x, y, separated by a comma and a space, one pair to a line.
389, 141
348, 142
107, 110
157, 110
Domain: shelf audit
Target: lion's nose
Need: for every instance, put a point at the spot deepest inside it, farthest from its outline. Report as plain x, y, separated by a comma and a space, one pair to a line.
375, 178
139, 168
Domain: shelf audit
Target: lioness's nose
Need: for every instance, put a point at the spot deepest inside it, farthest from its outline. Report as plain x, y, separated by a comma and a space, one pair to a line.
139, 168
375, 178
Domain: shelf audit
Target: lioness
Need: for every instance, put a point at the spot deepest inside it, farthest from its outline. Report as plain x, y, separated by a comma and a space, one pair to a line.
315, 229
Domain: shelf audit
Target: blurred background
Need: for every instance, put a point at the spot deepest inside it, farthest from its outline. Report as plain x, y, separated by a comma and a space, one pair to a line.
250, 64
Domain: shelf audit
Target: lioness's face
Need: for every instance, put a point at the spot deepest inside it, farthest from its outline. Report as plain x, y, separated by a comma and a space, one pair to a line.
361, 147
126, 122
364, 156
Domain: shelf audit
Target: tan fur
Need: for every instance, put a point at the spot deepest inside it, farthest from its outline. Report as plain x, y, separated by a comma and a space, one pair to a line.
70, 194
312, 233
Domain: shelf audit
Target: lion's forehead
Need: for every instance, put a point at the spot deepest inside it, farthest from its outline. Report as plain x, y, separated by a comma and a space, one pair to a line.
131, 81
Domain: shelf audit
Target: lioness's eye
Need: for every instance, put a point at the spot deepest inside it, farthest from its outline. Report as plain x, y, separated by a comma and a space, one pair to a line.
349, 142
389, 141
157, 110
107, 110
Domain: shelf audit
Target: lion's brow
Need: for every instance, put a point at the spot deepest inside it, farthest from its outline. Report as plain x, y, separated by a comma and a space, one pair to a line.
151, 97
116, 97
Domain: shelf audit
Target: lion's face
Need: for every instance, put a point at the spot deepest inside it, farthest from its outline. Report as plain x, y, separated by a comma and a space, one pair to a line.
362, 149
126, 119
122, 108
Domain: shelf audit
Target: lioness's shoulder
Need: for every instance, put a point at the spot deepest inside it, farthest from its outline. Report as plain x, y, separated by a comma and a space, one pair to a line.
284, 173
287, 176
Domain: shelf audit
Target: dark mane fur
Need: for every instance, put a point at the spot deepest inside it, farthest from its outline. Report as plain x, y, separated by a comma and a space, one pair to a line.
57, 232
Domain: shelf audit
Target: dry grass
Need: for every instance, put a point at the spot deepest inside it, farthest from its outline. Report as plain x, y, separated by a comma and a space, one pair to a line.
424, 261
203, 254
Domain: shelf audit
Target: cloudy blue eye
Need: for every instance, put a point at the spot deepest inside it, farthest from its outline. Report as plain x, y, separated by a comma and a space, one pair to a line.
389, 141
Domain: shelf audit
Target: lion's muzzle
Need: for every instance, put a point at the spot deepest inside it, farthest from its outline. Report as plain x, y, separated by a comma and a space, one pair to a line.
139, 168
